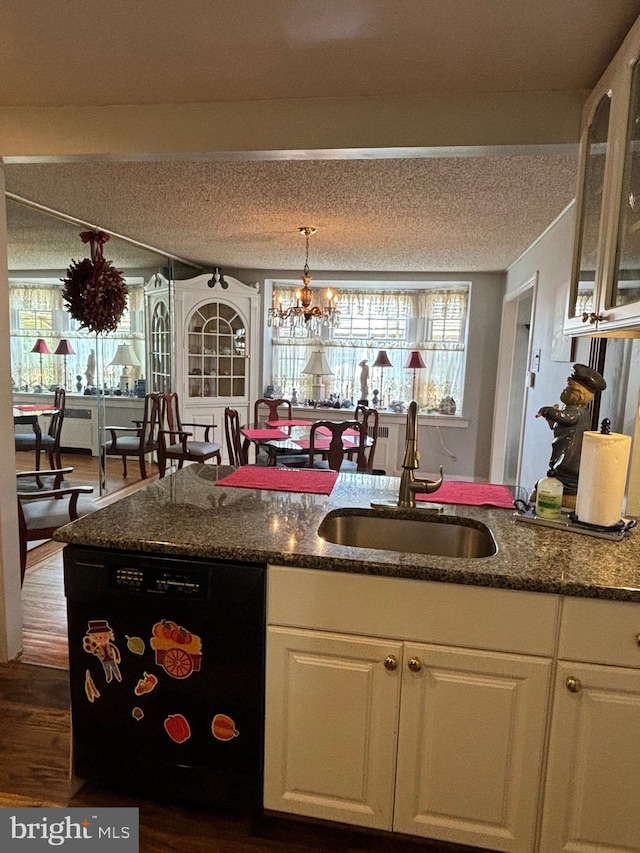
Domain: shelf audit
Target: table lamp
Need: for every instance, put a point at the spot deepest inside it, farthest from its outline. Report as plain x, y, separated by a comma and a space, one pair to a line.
125, 357
41, 348
414, 362
317, 366
64, 349
382, 361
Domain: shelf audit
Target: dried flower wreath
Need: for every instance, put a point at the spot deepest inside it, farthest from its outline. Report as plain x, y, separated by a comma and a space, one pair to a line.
94, 291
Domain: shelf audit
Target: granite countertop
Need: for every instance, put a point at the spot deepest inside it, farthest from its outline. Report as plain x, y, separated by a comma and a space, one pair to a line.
187, 514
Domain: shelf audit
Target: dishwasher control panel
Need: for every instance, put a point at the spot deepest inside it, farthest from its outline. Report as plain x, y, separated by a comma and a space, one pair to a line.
176, 582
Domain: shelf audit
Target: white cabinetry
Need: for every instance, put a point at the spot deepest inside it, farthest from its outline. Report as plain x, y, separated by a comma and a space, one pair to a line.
591, 798
406, 705
218, 349
605, 282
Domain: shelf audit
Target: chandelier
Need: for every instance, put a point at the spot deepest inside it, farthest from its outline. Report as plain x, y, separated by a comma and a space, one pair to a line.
303, 314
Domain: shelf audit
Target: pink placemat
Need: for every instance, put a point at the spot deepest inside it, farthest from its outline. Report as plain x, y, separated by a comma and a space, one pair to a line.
266, 434
471, 494
283, 423
32, 408
281, 479
349, 431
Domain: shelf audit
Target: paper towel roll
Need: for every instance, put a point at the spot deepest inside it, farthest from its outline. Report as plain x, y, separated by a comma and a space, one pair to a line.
602, 477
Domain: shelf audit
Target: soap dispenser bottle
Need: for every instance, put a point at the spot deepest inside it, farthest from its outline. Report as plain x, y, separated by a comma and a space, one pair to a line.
549, 498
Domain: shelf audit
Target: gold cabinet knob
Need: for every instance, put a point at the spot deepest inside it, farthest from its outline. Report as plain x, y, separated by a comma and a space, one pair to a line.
391, 662
574, 685
414, 665
638, 639
592, 317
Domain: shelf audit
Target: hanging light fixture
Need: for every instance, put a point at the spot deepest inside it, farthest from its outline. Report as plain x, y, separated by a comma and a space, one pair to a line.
303, 314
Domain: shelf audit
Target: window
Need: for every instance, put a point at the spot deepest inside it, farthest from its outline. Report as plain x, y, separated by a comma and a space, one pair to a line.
37, 311
432, 320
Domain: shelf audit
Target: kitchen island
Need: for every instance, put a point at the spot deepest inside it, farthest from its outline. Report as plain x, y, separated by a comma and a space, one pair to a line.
484, 701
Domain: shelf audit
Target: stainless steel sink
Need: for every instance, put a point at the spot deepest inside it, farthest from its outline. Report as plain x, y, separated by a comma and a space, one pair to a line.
442, 535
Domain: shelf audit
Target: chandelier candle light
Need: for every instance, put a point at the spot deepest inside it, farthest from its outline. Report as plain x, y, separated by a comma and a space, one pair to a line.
317, 366
64, 349
414, 362
303, 314
41, 348
382, 361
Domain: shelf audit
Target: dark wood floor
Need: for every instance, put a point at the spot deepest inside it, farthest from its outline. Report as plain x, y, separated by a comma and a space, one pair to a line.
36, 733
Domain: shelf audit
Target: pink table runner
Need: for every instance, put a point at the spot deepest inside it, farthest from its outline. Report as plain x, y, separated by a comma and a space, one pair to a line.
264, 434
281, 479
471, 494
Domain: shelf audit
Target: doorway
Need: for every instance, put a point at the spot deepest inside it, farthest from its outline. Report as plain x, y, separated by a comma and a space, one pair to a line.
513, 382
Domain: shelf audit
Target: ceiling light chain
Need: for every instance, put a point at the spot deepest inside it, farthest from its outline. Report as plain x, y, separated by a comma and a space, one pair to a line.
303, 314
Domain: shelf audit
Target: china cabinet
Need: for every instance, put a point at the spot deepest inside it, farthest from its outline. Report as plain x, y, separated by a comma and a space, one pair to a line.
604, 298
426, 717
216, 334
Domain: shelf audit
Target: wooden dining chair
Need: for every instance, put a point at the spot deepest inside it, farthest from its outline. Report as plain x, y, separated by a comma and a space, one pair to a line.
334, 456
49, 441
176, 443
369, 419
277, 410
143, 441
46, 501
236, 449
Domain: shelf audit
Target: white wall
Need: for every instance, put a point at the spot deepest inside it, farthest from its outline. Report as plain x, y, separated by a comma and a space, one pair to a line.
550, 256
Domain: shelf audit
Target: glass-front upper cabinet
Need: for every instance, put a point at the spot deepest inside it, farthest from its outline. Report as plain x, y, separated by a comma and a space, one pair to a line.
625, 288
589, 214
605, 281
216, 351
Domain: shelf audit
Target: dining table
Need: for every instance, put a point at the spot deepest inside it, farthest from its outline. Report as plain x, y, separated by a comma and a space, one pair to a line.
292, 437
29, 414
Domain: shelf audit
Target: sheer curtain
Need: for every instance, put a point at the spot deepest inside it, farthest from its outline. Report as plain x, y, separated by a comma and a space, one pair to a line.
432, 321
38, 311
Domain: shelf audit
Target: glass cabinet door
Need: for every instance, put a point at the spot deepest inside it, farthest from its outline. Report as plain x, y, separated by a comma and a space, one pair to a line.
626, 277
216, 352
590, 213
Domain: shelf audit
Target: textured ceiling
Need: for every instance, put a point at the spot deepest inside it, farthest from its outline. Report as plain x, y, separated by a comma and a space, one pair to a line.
450, 214
433, 212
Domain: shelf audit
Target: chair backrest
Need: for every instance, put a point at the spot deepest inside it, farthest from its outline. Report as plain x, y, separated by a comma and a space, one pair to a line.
150, 424
277, 409
237, 454
369, 419
335, 454
55, 425
170, 419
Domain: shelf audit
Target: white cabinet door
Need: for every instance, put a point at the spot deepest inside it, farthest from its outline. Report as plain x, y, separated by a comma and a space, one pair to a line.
471, 741
593, 780
331, 726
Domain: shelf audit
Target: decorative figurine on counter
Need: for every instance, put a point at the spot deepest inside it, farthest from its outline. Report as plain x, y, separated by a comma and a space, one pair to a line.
568, 425
364, 382
78, 383
90, 371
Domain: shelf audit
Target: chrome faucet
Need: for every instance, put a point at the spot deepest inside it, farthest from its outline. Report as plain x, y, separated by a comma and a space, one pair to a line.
410, 485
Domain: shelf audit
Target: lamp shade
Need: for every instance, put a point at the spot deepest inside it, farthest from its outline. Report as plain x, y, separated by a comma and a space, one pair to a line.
415, 360
64, 348
382, 359
125, 357
41, 347
318, 364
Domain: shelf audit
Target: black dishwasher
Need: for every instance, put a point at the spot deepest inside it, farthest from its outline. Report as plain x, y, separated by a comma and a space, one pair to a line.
166, 666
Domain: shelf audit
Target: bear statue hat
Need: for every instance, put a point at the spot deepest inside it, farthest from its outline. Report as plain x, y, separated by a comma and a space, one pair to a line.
587, 377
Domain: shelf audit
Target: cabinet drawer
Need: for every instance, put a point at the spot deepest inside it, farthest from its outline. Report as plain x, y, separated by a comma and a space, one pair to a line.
424, 611
600, 631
